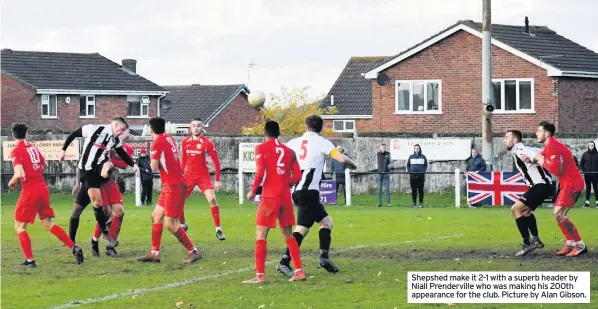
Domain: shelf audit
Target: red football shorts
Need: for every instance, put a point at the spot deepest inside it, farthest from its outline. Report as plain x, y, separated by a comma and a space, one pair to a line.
272, 208
568, 195
111, 194
204, 183
172, 198
33, 201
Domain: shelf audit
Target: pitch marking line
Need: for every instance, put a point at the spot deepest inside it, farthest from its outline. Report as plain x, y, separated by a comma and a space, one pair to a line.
141, 291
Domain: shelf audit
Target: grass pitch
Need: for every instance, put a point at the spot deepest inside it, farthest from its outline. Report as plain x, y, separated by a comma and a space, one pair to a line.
374, 248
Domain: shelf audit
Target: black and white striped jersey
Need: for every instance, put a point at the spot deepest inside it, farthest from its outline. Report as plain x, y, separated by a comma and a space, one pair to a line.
98, 141
532, 172
311, 150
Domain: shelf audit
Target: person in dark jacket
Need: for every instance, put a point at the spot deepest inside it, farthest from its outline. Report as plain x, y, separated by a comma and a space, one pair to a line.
417, 165
475, 164
383, 159
147, 177
338, 169
589, 166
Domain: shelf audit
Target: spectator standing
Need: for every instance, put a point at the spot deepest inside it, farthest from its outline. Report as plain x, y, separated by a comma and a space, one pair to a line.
417, 165
589, 166
338, 170
147, 177
475, 164
383, 158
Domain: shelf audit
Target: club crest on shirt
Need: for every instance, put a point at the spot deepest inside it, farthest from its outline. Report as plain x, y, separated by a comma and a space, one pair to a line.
198, 146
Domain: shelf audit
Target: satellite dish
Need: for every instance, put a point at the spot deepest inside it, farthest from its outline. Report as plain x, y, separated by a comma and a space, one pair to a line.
382, 79
166, 105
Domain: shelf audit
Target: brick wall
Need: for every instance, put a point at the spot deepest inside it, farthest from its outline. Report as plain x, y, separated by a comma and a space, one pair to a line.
456, 60
232, 119
20, 103
578, 105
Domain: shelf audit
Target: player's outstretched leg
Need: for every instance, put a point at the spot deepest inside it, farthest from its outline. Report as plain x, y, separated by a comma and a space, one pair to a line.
157, 229
215, 210
293, 246
325, 240
118, 216
64, 238
74, 221
520, 211
175, 228
101, 218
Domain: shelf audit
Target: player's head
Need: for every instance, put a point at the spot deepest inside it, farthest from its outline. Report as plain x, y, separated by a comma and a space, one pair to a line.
157, 126
271, 129
143, 152
314, 123
196, 127
545, 131
417, 149
592, 146
383, 147
126, 133
119, 126
19, 131
512, 137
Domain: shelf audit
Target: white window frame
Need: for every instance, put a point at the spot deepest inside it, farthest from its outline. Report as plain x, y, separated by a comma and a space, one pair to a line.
502, 96
141, 105
344, 125
425, 111
87, 104
46, 101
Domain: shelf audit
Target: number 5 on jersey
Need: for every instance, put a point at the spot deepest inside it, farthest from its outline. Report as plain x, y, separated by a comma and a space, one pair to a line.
303, 153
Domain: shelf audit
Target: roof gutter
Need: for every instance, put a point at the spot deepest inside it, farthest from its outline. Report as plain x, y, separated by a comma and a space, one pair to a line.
346, 116
100, 92
578, 74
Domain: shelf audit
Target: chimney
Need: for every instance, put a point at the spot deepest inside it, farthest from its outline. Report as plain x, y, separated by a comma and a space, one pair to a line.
131, 65
526, 25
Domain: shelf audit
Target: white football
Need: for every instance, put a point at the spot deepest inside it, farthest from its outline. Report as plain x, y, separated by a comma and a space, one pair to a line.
256, 98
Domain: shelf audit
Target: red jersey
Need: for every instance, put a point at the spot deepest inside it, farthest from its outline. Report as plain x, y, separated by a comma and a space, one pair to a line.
558, 160
194, 155
277, 168
33, 162
164, 149
117, 160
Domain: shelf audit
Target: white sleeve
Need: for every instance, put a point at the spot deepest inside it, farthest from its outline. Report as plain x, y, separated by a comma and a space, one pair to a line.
88, 129
326, 146
293, 144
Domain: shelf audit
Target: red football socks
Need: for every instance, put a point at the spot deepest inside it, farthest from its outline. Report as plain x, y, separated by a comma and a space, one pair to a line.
569, 230
216, 215
157, 229
115, 226
184, 239
26, 245
61, 234
294, 251
261, 251
97, 232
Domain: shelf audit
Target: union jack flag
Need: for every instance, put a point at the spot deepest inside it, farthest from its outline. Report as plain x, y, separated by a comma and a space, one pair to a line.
494, 188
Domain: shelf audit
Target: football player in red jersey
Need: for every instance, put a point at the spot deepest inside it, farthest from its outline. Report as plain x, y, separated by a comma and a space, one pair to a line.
34, 200
195, 149
164, 156
278, 170
558, 160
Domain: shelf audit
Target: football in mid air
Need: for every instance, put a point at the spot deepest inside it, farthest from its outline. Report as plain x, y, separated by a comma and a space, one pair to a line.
256, 98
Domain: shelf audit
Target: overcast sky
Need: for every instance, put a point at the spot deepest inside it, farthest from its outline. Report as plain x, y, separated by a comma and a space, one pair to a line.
293, 43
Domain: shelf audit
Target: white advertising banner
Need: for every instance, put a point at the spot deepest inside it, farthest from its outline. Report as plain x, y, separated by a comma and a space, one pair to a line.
49, 149
435, 149
247, 157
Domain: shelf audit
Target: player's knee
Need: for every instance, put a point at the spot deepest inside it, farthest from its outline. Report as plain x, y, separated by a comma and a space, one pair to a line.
47, 224
19, 227
117, 210
172, 226
77, 210
326, 223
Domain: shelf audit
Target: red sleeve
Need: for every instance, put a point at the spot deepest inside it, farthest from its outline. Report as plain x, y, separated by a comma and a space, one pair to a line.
16, 158
117, 160
183, 154
553, 160
215, 160
296, 174
156, 150
260, 161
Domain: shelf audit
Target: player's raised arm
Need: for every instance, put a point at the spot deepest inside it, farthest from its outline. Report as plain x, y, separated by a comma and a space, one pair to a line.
331, 151
260, 171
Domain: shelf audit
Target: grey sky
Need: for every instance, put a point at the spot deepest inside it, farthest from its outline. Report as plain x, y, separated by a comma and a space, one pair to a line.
294, 43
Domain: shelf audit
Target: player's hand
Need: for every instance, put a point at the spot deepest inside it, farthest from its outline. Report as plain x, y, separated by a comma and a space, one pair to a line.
250, 195
539, 158
62, 155
76, 189
13, 183
217, 185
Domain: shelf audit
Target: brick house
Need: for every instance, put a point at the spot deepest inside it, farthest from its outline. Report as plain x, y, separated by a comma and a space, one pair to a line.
224, 109
435, 86
62, 91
